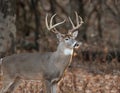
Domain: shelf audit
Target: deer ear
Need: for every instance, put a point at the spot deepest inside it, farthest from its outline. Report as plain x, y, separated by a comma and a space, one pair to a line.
59, 36
74, 34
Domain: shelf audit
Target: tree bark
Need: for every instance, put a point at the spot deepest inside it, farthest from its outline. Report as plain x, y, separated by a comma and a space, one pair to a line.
7, 27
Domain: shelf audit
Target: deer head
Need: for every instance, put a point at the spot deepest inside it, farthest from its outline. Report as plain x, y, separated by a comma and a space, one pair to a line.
67, 41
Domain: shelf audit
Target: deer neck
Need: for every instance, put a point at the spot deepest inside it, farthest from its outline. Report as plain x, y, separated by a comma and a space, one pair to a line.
63, 50
63, 57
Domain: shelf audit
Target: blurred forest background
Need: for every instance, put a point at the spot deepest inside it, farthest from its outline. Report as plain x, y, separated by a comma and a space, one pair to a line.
22, 25
22, 29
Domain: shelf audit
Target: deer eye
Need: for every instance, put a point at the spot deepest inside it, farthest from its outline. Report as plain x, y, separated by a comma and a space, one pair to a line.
66, 39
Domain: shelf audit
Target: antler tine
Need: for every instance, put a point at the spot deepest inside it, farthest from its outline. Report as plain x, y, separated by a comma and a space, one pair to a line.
79, 22
46, 22
51, 26
77, 18
58, 24
51, 20
71, 22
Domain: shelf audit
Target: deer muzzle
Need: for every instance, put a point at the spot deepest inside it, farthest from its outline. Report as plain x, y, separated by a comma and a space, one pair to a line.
77, 45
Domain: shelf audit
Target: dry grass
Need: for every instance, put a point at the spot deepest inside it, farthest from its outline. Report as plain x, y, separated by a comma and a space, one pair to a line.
82, 81
86, 78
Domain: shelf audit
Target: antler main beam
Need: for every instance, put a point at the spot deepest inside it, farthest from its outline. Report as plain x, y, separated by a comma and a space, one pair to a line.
79, 22
51, 27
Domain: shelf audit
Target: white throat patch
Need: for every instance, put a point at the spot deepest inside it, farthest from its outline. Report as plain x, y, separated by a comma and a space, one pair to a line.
68, 51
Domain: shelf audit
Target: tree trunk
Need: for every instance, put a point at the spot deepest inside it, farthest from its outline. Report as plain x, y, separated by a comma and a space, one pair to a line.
7, 27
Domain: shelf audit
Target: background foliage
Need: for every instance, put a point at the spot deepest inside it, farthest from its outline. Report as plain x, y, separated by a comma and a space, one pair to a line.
22, 29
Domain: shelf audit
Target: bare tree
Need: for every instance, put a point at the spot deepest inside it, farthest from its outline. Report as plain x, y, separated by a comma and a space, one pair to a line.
112, 6
7, 27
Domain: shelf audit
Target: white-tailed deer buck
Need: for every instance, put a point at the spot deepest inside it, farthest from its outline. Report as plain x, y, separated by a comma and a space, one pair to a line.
49, 66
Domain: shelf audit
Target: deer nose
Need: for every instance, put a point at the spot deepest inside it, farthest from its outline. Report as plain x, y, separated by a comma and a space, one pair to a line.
77, 44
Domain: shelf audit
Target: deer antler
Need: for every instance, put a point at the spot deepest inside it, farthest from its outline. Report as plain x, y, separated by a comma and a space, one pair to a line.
78, 24
51, 27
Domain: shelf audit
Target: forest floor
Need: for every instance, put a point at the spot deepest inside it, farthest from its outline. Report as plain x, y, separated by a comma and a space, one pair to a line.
82, 78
